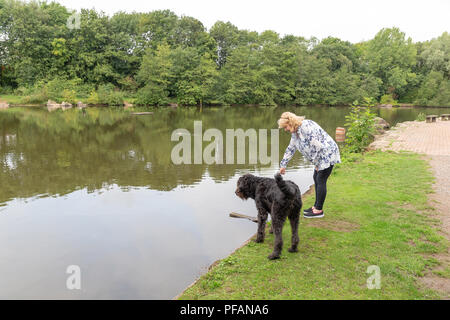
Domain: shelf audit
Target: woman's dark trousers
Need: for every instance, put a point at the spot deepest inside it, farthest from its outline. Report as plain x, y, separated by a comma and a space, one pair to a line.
320, 184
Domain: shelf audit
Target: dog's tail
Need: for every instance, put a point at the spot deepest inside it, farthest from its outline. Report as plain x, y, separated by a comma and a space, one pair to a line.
284, 187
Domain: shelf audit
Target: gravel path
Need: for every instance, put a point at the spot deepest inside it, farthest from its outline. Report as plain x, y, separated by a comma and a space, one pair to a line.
432, 140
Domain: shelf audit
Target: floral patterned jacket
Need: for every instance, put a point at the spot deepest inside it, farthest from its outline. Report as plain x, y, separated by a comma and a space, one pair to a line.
315, 145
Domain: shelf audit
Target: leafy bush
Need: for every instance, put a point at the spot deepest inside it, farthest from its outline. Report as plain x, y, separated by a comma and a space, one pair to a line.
69, 96
388, 99
33, 94
421, 117
107, 94
59, 89
128, 84
360, 123
6, 90
93, 98
151, 95
36, 97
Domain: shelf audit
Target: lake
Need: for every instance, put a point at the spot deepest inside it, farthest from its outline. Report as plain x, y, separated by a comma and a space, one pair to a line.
97, 189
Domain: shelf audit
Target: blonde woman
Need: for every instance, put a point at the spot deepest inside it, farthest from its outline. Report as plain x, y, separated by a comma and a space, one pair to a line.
316, 146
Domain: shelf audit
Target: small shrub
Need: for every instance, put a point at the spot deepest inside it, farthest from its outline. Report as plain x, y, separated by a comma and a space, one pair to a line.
69, 96
93, 98
34, 94
388, 99
60, 89
108, 95
367, 102
151, 95
37, 97
6, 90
421, 117
360, 123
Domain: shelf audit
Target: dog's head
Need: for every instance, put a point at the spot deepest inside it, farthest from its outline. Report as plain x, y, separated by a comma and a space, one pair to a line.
245, 187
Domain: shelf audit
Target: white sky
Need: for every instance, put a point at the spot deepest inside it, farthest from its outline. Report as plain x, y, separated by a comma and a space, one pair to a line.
352, 20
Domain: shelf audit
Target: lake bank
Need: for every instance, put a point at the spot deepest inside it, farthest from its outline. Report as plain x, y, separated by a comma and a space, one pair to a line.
393, 229
20, 101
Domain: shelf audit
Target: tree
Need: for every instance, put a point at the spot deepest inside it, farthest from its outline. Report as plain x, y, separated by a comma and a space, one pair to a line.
340, 53
155, 75
226, 36
195, 74
155, 28
239, 76
390, 57
434, 91
436, 54
314, 80
190, 32
27, 31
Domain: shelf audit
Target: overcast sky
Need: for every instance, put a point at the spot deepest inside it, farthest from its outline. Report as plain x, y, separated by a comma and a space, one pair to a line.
352, 20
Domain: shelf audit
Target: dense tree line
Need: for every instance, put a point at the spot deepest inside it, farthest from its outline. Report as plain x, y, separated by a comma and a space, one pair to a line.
157, 57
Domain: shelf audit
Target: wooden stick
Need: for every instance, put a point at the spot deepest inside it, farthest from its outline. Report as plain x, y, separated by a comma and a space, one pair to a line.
238, 215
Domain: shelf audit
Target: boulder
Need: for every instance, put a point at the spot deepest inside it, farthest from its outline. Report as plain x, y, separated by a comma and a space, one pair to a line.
127, 105
381, 122
4, 105
381, 125
81, 105
52, 105
66, 105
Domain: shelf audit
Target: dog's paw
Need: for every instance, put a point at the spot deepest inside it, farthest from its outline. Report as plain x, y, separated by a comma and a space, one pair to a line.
273, 256
293, 250
259, 240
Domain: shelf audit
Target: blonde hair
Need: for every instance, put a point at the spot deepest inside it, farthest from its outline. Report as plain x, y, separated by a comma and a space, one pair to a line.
289, 118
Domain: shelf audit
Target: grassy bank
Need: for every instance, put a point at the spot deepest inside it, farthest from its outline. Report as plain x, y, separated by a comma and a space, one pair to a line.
376, 213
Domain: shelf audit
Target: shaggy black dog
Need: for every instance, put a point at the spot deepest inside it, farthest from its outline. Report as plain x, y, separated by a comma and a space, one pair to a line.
281, 199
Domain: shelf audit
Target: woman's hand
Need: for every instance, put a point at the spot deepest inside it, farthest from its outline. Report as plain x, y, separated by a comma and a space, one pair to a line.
282, 170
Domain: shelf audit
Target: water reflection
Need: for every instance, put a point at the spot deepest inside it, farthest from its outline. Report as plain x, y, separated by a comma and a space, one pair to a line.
98, 190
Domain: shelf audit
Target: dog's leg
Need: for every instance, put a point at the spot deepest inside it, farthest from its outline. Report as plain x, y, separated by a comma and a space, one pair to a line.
262, 218
277, 223
294, 219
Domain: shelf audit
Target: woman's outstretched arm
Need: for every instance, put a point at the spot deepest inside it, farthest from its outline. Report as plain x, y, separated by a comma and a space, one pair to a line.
289, 153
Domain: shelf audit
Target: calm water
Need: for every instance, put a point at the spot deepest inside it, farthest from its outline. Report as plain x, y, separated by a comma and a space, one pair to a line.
97, 189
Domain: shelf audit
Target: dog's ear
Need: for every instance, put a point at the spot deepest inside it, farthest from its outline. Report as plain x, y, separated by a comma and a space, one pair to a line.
246, 184
245, 180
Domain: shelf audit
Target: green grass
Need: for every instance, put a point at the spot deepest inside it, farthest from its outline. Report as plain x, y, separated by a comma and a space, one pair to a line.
376, 214
445, 273
12, 99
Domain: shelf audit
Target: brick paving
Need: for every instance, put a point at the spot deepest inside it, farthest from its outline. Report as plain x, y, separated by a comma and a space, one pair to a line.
432, 140
421, 137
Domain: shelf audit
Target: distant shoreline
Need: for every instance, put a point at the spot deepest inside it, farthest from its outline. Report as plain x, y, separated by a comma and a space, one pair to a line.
384, 106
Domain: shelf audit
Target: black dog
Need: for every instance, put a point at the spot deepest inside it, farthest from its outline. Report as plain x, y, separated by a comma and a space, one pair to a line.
279, 198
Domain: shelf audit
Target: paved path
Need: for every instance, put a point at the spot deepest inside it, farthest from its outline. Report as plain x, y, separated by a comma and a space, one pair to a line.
421, 137
432, 140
